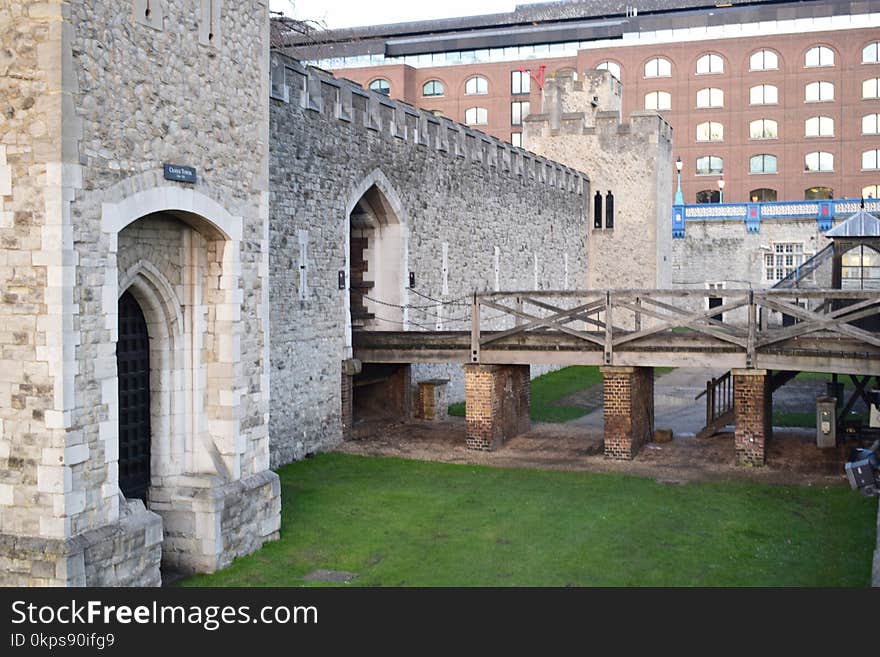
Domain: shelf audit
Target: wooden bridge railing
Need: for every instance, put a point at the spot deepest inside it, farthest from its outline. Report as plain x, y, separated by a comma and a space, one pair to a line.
745, 321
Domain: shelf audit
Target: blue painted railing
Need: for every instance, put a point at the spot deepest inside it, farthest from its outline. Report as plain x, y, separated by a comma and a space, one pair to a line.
752, 214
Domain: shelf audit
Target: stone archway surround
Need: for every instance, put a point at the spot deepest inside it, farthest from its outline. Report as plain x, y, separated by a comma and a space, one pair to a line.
210, 513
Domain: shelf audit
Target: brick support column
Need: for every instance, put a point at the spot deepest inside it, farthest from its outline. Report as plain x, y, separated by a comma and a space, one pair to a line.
347, 413
753, 415
431, 404
628, 403
497, 402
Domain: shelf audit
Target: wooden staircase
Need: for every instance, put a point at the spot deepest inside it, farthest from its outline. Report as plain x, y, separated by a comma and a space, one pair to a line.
719, 400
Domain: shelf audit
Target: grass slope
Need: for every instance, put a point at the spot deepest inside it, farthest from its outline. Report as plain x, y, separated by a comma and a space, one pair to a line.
412, 523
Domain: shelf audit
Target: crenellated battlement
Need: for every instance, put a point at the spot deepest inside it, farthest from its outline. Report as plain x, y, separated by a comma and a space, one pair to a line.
591, 106
313, 90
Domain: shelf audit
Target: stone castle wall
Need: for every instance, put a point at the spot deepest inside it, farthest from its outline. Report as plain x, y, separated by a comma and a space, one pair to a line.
454, 190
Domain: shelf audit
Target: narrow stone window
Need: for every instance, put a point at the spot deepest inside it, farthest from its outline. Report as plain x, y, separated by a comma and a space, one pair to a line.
149, 13
609, 210
303, 238
209, 23
597, 210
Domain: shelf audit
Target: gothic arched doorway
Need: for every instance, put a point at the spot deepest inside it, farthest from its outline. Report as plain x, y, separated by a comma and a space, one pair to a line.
133, 367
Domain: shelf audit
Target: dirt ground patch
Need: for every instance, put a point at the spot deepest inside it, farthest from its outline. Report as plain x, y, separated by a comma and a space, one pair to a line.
792, 458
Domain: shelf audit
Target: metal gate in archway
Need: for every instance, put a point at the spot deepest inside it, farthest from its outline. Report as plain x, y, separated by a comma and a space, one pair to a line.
133, 371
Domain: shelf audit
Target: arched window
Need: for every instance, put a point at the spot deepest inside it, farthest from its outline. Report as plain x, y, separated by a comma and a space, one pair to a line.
611, 67
476, 116
763, 60
870, 160
710, 131
764, 94
659, 67
476, 85
709, 165
860, 269
819, 126
763, 163
708, 196
816, 92
710, 63
433, 88
871, 191
818, 193
762, 194
871, 124
381, 85
609, 210
658, 100
819, 56
871, 53
763, 129
597, 210
710, 97
819, 161
870, 88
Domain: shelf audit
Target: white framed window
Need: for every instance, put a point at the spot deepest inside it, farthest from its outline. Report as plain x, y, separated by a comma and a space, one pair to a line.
764, 94
476, 116
819, 56
659, 67
381, 85
710, 63
709, 165
763, 163
870, 88
871, 53
763, 129
871, 191
860, 269
476, 85
611, 67
817, 92
518, 111
819, 126
819, 161
783, 259
870, 160
710, 97
433, 88
764, 60
520, 82
871, 124
658, 100
516, 139
710, 131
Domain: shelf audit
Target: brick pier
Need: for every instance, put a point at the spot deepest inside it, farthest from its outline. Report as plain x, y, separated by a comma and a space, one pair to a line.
497, 401
628, 402
753, 413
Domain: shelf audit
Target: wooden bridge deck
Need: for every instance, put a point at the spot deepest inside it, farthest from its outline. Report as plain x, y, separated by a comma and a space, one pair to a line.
828, 331
679, 349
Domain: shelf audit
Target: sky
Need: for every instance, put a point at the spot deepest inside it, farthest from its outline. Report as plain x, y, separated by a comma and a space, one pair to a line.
352, 13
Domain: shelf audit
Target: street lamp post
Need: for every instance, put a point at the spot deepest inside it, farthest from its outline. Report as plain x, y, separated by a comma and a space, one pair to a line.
721, 189
679, 200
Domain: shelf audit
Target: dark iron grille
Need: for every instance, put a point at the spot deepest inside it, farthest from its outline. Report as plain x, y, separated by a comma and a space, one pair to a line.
133, 367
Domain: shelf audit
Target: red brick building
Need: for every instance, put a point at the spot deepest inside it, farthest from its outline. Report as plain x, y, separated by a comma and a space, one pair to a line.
781, 98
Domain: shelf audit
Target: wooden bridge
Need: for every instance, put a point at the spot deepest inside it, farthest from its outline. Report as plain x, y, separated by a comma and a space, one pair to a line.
627, 332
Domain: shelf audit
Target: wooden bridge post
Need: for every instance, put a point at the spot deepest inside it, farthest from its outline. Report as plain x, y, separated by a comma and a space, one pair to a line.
496, 403
753, 415
628, 402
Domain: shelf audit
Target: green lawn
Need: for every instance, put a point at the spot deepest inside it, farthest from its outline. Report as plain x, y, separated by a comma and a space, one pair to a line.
549, 388
410, 523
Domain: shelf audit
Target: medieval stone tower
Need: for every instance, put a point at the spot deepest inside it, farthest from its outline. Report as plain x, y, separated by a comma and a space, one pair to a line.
630, 168
133, 321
